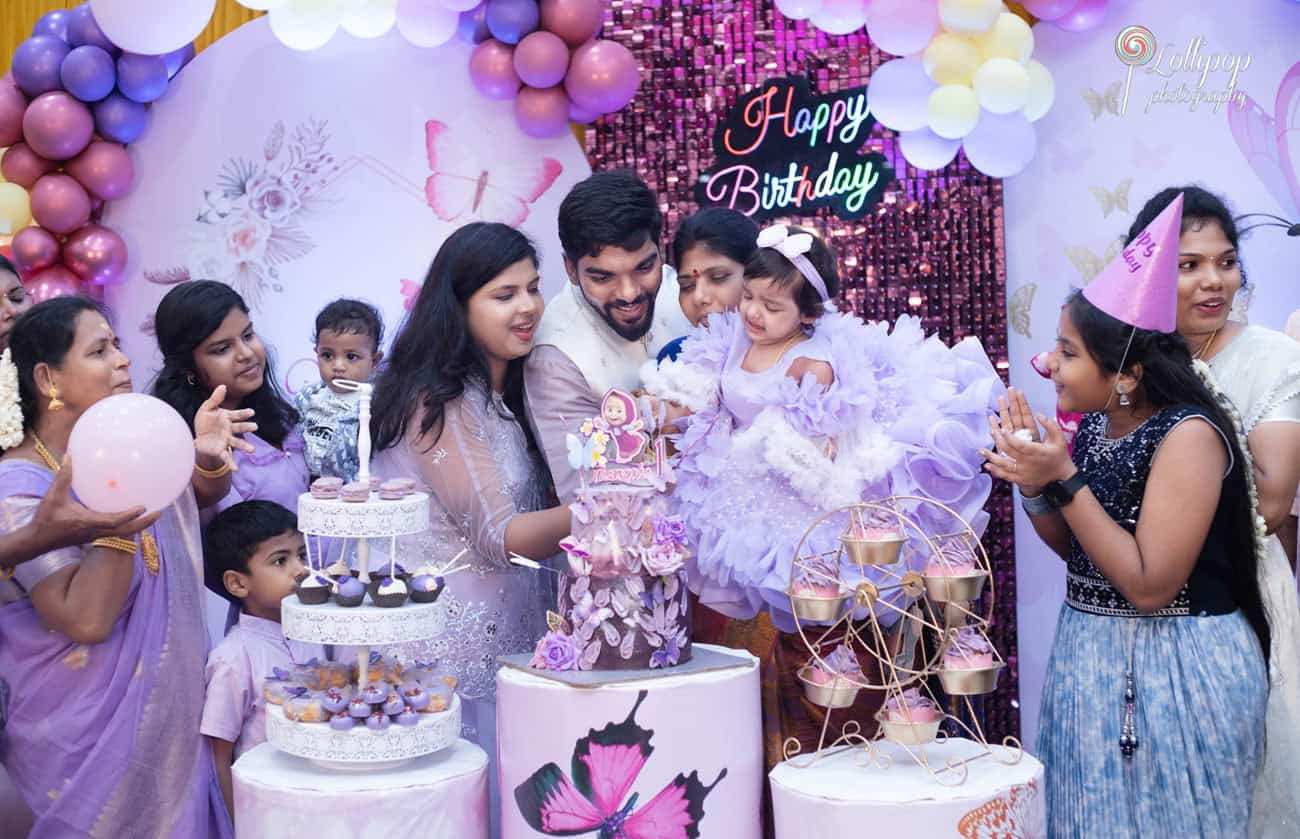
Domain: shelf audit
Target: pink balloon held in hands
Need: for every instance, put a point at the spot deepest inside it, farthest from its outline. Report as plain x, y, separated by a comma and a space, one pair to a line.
130, 449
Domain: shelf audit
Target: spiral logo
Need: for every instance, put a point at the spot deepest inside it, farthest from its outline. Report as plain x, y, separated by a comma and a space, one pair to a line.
1135, 45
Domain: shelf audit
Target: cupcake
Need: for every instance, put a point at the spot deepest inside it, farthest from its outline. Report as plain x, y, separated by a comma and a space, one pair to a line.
339, 571
953, 560
342, 722
968, 650
359, 708
378, 721
350, 592
394, 571
326, 489
835, 669
415, 696
392, 491
315, 589
355, 492
335, 700
393, 704
425, 589
375, 694
408, 718
912, 706
390, 593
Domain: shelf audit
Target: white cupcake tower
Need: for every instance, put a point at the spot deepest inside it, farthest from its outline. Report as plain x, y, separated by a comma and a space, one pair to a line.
941, 604
363, 626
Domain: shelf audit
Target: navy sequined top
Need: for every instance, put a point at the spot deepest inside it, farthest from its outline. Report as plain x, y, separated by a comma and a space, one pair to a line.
1116, 472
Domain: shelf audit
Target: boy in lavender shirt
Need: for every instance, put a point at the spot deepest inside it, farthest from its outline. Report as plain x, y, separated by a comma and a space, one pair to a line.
254, 556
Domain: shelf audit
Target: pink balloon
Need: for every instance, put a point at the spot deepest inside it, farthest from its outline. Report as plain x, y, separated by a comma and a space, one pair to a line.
541, 59
12, 107
34, 249
492, 70
1049, 9
60, 204
104, 169
542, 112
902, 27
22, 166
53, 282
1085, 15
58, 126
128, 450
576, 21
602, 77
96, 254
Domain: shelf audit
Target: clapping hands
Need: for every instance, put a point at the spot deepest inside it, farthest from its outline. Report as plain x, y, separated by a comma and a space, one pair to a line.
1030, 449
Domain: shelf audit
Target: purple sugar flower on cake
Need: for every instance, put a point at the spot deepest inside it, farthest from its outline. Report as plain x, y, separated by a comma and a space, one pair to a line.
555, 651
666, 656
670, 530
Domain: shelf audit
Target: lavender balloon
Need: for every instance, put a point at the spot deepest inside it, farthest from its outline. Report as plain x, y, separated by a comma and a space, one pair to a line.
104, 169
581, 115
34, 250
1084, 15
54, 24
57, 126
177, 59
20, 165
59, 204
36, 64
602, 77
1001, 145
473, 26
142, 78
542, 112
84, 30
12, 107
541, 59
88, 73
510, 20
96, 255
492, 70
119, 119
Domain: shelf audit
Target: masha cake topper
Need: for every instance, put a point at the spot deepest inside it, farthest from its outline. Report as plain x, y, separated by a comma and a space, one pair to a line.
613, 445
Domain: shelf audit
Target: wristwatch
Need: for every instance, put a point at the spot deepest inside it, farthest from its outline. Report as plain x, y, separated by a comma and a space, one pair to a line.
1060, 493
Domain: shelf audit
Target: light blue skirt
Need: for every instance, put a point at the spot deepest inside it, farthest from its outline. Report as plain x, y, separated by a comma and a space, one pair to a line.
1201, 698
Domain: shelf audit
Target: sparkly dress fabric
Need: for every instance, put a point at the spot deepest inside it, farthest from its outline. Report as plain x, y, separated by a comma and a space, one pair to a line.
1201, 685
1259, 370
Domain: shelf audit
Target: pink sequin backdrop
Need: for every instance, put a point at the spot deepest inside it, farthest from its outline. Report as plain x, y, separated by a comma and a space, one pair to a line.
934, 247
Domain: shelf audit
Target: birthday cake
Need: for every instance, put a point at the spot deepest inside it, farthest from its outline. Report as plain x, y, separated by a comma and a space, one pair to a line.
623, 601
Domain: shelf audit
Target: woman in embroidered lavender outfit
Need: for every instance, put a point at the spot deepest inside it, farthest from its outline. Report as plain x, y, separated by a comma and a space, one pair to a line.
103, 644
449, 413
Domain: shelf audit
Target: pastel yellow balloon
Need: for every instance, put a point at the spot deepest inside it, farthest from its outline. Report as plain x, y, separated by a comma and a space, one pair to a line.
3, 180
15, 209
968, 15
1009, 37
1042, 91
1001, 85
953, 110
951, 59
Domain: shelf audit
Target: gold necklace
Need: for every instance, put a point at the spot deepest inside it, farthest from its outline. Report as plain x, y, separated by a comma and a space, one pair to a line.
45, 453
1201, 352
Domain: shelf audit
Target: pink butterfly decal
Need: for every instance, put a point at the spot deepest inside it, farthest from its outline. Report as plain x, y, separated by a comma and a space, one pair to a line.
1271, 142
462, 188
410, 291
1018, 815
605, 767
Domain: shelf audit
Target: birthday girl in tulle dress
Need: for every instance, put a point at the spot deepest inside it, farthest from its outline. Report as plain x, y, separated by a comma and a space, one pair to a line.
797, 410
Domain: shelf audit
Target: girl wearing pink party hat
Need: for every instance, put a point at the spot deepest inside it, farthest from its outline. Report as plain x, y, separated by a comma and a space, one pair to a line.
1154, 703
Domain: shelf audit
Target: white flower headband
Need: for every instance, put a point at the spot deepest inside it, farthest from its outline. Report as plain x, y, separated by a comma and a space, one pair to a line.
793, 247
11, 409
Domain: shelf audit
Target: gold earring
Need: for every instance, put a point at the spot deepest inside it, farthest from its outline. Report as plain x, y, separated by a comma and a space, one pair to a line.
56, 404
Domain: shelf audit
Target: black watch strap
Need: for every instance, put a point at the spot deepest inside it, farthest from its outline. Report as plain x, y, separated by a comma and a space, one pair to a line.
1061, 493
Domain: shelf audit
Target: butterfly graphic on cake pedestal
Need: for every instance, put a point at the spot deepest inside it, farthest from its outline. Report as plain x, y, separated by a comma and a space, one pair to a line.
1271, 145
474, 180
605, 766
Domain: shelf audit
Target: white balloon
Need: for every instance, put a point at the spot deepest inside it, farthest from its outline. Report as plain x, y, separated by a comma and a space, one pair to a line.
897, 94
798, 9
369, 18
1002, 85
969, 15
1001, 145
1042, 91
953, 110
840, 17
306, 24
152, 28
461, 5
926, 150
261, 5
426, 23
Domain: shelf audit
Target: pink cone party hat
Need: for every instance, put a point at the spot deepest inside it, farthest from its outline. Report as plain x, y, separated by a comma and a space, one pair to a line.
1140, 287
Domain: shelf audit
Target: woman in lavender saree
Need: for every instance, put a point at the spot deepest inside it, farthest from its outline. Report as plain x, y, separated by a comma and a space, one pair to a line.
103, 644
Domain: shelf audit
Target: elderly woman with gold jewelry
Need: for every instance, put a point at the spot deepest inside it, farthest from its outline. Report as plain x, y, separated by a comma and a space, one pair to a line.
103, 644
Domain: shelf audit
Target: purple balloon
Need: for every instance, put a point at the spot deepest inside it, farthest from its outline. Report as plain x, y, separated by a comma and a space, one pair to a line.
96, 254
510, 20
34, 249
60, 204
602, 77
12, 107
36, 64
492, 70
119, 119
83, 30
1085, 15
576, 21
88, 73
22, 166
1049, 9
141, 78
55, 281
57, 126
541, 59
542, 113
581, 115
1001, 145
53, 23
473, 26
177, 59
104, 169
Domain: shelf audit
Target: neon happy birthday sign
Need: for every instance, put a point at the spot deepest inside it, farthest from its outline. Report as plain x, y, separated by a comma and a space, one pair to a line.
782, 151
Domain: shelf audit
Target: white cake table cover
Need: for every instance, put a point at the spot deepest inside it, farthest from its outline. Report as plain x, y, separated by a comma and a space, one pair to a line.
702, 732
840, 796
443, 794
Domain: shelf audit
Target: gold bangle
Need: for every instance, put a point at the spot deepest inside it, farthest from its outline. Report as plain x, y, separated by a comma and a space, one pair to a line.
212, 473
126, 546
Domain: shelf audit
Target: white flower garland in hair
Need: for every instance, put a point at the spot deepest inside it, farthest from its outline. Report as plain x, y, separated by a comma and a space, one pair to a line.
11, 409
